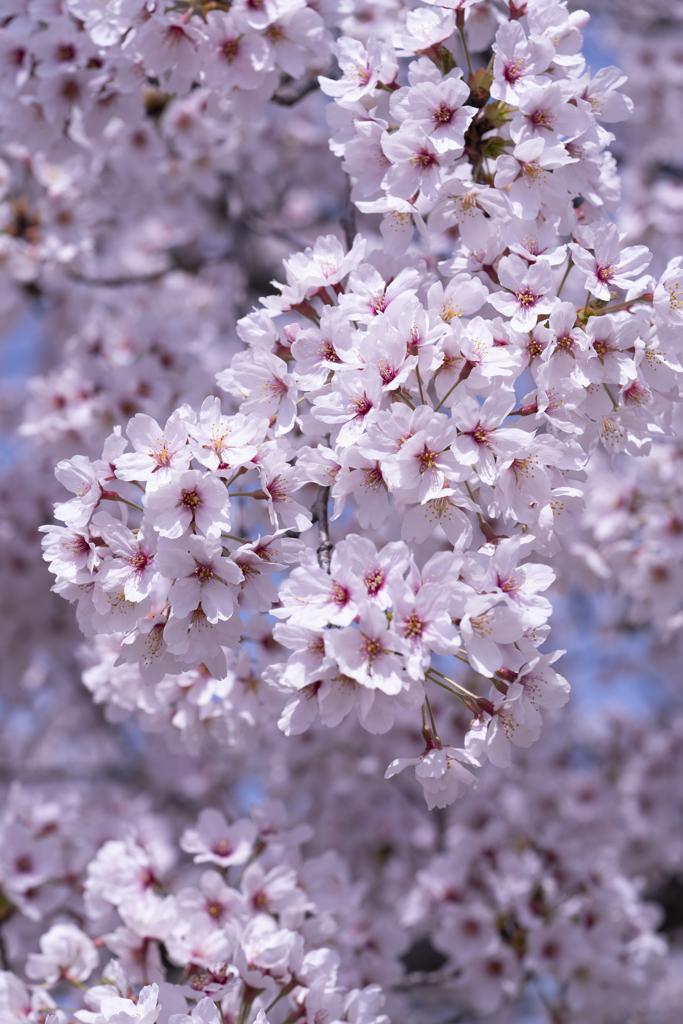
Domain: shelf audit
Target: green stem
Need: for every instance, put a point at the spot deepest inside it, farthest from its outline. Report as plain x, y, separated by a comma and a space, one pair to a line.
647, 297
431, 718
566, 275
419, 384
113, 496
248, 997
404, 398
461, 30
283, 992
611, 396
450, 391
232, 479
448, 689
443, 686
468, 693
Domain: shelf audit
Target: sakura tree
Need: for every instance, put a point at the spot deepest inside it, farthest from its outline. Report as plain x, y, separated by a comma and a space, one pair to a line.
312, 532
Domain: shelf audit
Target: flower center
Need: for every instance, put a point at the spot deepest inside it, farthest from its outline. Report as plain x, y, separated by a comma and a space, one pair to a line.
190, 499
223, 848
387, 371
139, 561
534, 347
527, 298
675, 296
606, 271
161, 453
424, 159
361, 406
565, 343
413, 627
230, 49
543, 119
427, 459
514, 70
636, 394
373, 477
449, 311
274, 386
203, 573
327, 352
379, 303
338, 595
482, 435
65, 52
277, 489
602, 347
371, 649
316, 647
443, 114
374, 581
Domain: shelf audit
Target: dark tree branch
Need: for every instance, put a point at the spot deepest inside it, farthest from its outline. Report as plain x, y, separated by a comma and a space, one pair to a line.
285, 99
348, 217
319, 511
118, 282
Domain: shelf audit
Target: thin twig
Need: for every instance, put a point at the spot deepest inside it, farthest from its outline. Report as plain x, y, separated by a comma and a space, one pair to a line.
461, 30
566, 275
612, 399
431, 718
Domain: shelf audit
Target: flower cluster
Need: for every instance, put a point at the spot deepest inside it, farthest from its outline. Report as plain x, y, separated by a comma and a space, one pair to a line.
459, 411
253, 926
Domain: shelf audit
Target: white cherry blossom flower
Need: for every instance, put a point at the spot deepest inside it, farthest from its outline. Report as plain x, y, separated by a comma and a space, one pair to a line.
611, 265
66, 952
189, 499
158, 453
600, 95
117, 1010
415, 162
518, 61
441, 773
529, 291
481, 436
213, 841
362, 69
366, 654
200, 576
530, 173
135, 569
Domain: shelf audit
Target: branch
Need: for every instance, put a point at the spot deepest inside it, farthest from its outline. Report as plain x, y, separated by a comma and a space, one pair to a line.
319, 510
117, 282
348, 217
180, 258
291, 99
